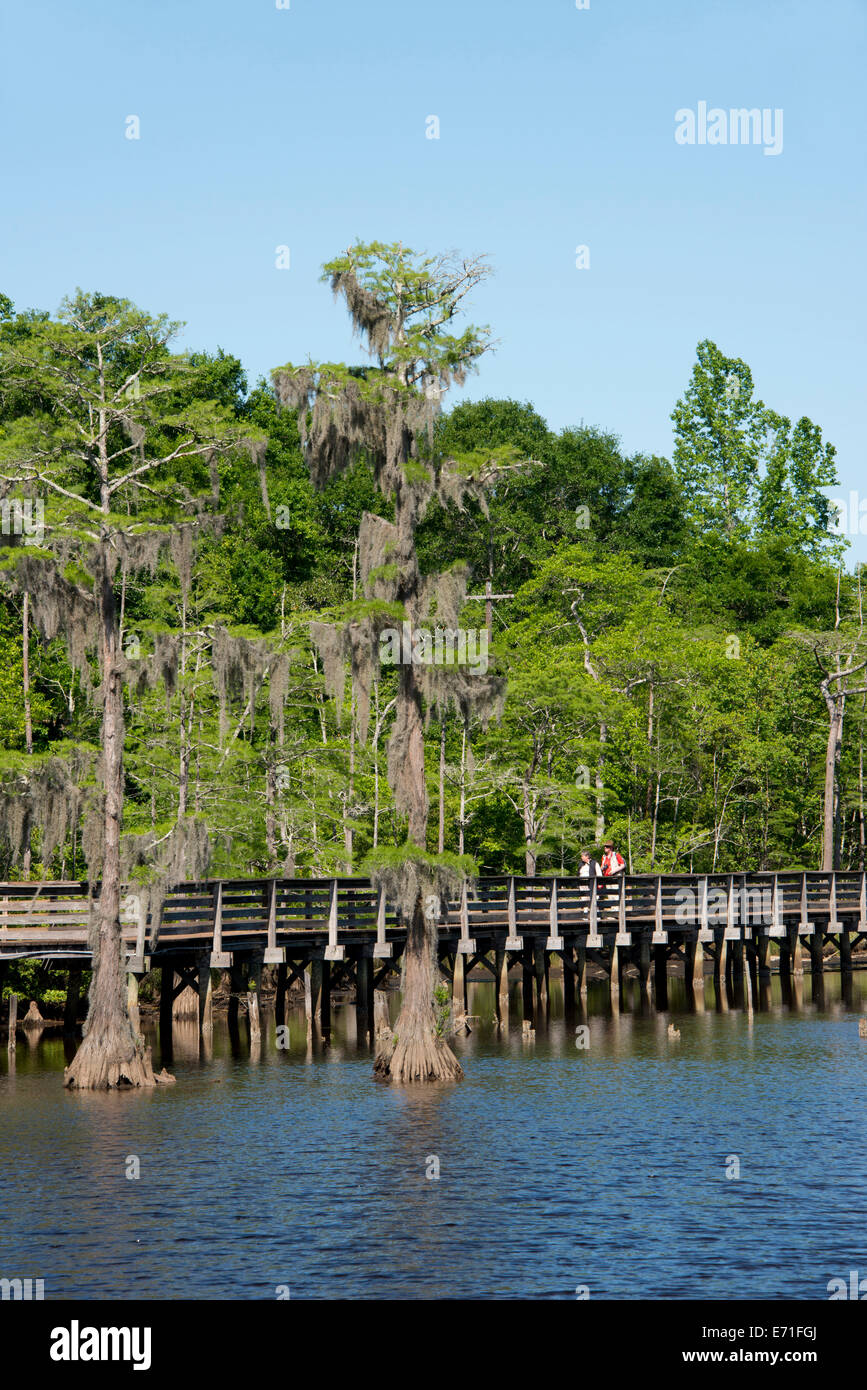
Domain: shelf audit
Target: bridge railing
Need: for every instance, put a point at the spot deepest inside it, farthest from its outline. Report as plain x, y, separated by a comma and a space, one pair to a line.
221, 913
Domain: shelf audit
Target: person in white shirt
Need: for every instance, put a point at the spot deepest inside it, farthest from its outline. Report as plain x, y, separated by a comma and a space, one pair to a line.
589, 867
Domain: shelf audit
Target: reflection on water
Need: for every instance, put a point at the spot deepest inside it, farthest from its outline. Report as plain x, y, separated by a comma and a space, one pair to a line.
559, 1164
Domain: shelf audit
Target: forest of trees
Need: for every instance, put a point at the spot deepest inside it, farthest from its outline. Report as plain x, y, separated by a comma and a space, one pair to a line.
681, 641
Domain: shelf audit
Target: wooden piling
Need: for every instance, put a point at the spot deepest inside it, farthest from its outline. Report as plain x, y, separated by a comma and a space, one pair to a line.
644, 974
613, 967
73, 991
796, 959
501, 972
319, 1015
236, 989
541, 975
660, 975
694, 954
459, 987
280, 997
817, 953
206, 995
364, 999
764, 951
527, 977
568, 959
581, 971
845, 946
167, 982
254, 992
13, 1023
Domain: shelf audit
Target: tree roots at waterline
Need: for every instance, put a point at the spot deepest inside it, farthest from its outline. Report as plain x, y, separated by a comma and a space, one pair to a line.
417, 1050
416, 1055
112, 1059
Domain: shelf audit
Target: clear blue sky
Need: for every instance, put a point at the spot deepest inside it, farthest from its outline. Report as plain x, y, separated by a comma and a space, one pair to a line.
306, 127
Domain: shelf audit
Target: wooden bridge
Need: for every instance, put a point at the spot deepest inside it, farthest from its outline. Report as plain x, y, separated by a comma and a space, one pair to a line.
332, 933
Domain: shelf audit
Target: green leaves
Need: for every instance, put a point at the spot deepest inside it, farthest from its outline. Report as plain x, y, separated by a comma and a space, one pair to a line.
744, 471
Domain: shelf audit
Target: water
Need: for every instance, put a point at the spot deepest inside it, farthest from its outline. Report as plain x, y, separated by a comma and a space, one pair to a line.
559, 1167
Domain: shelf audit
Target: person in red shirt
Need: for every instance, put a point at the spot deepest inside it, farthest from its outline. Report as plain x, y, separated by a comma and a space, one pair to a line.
612, 861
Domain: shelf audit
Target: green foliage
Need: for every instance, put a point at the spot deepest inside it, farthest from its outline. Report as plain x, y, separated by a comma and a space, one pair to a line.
663, 649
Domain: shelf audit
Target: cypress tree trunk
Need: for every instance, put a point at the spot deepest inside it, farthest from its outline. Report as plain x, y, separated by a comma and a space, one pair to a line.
417, 1051
111, 1053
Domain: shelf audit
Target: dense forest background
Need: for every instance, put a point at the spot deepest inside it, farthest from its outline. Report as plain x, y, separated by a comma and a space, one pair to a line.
666, 627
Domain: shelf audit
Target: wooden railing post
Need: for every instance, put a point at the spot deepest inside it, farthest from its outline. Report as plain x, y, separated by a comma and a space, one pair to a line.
333, 951
845, 943
383, 950
593, 937
555, 940
514, 942
220, 959
815, 935
274, 954
13, 1024
467, 944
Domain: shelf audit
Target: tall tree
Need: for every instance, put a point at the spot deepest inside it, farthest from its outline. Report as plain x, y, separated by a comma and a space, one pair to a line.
404, 307
98, 436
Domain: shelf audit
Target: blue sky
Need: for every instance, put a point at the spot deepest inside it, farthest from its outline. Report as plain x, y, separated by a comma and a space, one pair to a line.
305, 127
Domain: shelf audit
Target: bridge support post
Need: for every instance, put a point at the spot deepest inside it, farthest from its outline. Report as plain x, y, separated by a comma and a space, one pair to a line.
167, 985
694, 953
12, 1042
817, 953
644, 974
721, 959
568, 958
527, 983
764, 952
206, 994
364, 998
581, 970
751, 973
459, 987
236, 985
796, 958
541, 972
501, 971
660, 975
280, 997
254, 992
845, 950
614, 968
73, 991
736, 955
319, 999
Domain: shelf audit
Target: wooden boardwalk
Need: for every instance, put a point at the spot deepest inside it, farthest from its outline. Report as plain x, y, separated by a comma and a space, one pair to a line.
337, 932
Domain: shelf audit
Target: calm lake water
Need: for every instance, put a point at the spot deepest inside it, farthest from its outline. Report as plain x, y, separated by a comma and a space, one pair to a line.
559, 1166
